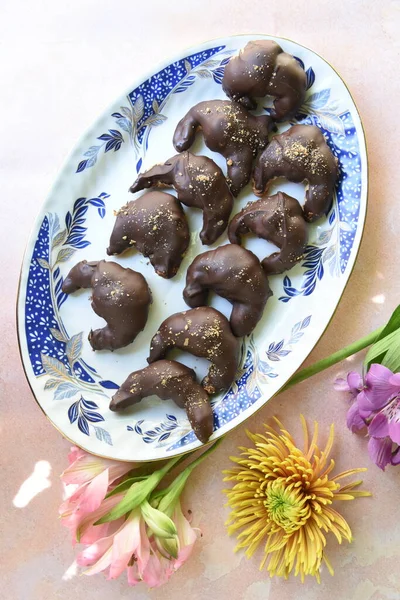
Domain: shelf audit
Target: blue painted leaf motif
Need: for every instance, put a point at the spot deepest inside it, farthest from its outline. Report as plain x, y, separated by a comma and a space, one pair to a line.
148, 440
103, 435
61, 298
299, 61
65, 390
129, 428
93, 150
96, 201
163, 437
68, 220
172, 418
102, 212
319, 99
110, 145
187, 82
138, 429
73, 348
83, 425
91, 161
73, 412
89, 404
52, 383
116, 115
310, 76
139, 164
306, 322
81, 166
109, 385
125, 124
92, 416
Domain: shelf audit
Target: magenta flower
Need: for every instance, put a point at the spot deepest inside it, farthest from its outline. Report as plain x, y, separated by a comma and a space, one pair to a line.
376, 405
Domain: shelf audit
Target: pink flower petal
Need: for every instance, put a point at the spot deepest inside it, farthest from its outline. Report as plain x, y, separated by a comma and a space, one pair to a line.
155, 573
365, 407
102, 564
380, 451
379, 389
354, 421
133, 575
379, 426
89, 520
92, 554
125, 544
94, 494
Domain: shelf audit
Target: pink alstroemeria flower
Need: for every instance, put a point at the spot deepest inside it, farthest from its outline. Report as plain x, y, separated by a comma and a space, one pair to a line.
88, 479
376, 405
132, 547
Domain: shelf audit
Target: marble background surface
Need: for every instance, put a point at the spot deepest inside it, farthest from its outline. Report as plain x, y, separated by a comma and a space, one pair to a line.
62, 63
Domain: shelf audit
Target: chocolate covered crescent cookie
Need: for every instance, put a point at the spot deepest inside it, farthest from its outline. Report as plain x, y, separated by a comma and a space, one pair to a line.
203, 332
200, 183
262, 68
278, 219
300, 154
169, 379
235, 274
229, 129
120, 296
156, 226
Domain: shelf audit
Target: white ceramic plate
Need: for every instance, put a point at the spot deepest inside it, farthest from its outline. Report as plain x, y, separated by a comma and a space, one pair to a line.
72, 384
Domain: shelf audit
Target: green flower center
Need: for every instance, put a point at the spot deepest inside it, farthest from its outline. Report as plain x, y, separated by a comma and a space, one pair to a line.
286, 506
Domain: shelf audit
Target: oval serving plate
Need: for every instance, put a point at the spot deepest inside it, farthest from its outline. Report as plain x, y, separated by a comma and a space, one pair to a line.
73, 384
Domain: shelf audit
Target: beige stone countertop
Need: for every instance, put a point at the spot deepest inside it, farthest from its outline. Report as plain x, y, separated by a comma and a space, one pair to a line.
61, 64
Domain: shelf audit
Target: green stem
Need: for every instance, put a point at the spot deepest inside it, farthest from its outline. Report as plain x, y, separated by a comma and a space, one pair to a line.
334, 358
171, 493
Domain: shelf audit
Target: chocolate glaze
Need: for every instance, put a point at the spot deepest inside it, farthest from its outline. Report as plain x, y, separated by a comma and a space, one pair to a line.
203, 332
156, 226
235, 274
169, 379
120, 296
278, 219
228, 129
200, 183
262, 68
300, 153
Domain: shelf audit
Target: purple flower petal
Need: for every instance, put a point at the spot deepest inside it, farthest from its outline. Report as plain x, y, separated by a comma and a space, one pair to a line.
379, 426
379, 389
355, 382
380, 451
365, 407
393, 415
395, 380
341, 385
354, 420
396, 457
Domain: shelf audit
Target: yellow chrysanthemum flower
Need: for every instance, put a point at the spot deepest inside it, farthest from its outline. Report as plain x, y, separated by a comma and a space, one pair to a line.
283, 496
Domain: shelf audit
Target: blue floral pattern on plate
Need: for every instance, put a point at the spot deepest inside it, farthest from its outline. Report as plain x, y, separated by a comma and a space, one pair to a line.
57, 357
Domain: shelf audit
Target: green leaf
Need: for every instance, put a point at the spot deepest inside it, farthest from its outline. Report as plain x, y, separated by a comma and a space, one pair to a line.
391, 359
137, 493
380, 346
125, 485
378, 349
